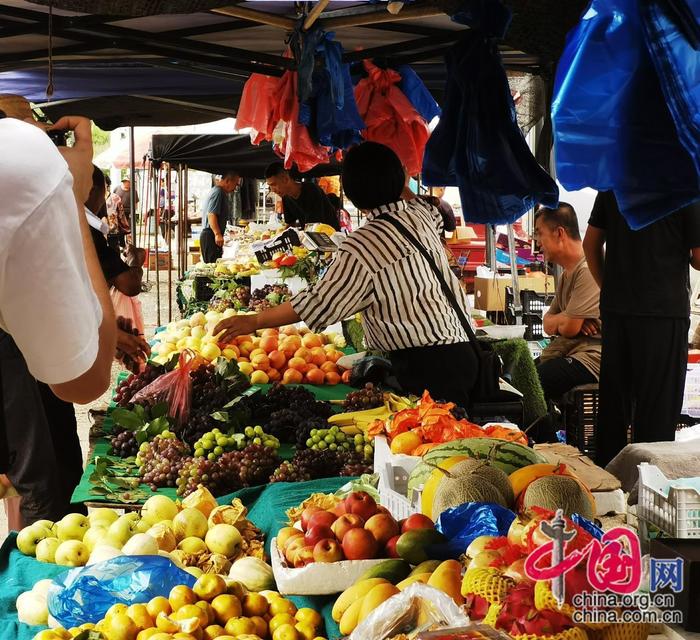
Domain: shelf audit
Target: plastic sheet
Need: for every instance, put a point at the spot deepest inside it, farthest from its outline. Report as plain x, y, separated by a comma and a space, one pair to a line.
390, 117
413, 88
477, 145
612, 127
587, 525
462, 525
86, 593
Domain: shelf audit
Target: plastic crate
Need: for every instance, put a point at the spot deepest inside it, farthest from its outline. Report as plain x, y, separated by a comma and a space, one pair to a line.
394, 469
399, 505
534, 326
676, 514
580, 409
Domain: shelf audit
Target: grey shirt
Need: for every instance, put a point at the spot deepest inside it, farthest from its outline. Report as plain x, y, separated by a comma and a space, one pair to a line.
218, 203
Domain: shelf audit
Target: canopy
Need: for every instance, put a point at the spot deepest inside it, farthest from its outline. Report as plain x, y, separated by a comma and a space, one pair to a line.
218, 153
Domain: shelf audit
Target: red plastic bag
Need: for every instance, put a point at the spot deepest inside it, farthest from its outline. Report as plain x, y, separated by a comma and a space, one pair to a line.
390, 116
257, 107
174, 387
127, 307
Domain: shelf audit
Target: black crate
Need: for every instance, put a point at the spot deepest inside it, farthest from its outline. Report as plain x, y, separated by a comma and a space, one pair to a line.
534, 302
534, 326
580, 409
201, 287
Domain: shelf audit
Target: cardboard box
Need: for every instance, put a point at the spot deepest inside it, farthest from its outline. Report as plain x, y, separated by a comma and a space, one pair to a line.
490, 293
460, 234
163, 261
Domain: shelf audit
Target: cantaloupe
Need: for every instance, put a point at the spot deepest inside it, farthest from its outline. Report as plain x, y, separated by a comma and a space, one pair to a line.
497, 478
558, 492
463, 485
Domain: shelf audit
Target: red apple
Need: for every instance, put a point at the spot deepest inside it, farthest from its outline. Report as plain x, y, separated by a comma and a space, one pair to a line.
361, 504
339, 509
319, 532
390, 548
417, 521
292, 545
306, 515
303, 556
359, 544
285, 534
382, 527
327, 550
323, 518
346, 522
383, 509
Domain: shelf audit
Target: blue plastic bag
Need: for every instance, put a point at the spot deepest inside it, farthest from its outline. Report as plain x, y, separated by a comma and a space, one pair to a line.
417, 93
85, 594
612, 127
463, 524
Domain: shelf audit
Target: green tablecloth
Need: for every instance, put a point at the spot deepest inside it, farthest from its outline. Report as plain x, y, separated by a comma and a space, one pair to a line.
266, 504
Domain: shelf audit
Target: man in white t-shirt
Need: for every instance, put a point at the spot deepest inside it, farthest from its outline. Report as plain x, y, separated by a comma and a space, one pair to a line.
56, 318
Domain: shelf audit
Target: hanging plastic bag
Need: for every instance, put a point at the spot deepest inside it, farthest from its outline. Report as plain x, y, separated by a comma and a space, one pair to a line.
128, 307
85, 594
390, 117
417, 93
477, 145
174, 388
462, 525
257, 106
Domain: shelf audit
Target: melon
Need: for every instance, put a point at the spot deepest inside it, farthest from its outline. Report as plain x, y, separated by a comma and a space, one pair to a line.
497, 478
504, 455
463, 485
558, 492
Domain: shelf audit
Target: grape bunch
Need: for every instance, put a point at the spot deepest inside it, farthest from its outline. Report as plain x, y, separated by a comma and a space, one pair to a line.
369, 397
331, 438
124, 444
364, 446
269, 296
257, 435
289, 472
215, 443
237, 298
128, 388
161, 460
312, 464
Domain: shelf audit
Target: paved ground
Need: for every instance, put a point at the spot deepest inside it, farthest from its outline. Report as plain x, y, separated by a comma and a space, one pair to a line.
150, 313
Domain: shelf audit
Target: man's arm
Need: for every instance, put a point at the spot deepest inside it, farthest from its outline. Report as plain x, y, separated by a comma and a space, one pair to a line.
214, 224
594, 248
562, 325
128, 282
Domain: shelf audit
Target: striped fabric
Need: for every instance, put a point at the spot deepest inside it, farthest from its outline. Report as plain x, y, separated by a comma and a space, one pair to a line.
377, 272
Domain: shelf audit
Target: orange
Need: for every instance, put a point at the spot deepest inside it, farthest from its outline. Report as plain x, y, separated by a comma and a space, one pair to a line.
239, 626
180, 596
260, 625
332, 378
119, 607
309, 616
158, 604
192, 611
282, 605
166, 624
280, 619
315, 376
277, 359
139, 614
254, 605
306, 631
121, 627
226, 607
406, 442
147, 633
286, 632
208, 609
214, 631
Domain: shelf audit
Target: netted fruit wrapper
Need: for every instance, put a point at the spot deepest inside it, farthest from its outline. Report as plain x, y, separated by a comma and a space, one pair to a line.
416, 610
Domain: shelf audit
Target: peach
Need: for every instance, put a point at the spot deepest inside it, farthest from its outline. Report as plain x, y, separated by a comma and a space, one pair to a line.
293, 342
318, 356
269, 332
311, 340
274, 375
277, 359
289, 330
359, 544
297, 363
259, 377
257, 352
345, 377
327, 551
344, 523
329, 367
246, 348
303, 353
334, 355
315, 376
285, 535
268, 343
260, 361
241, 339
332, 378
292, 376
383, 527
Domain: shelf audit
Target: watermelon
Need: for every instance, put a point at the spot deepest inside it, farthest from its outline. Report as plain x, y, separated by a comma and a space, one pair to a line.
504, 455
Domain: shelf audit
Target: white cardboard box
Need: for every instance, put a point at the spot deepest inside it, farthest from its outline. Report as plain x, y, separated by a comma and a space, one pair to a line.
317, 578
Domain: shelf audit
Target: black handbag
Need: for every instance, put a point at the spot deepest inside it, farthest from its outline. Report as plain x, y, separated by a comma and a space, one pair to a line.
490, 365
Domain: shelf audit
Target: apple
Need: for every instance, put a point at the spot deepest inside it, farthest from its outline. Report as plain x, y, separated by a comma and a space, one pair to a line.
46, 549
32, 608
359, 544
94, 536
319, 532
192, 545
362, 504
328, 550
140, 544
339, 509
122, 529
285, 534
190, 522
29, 537
346, 522
45, 523
224, 539
323, 518
390, 548
102, 517
303, 556
382, 527
72, 553
72, 527
101, 553
306, 516
417, 521
291, 549
158, 508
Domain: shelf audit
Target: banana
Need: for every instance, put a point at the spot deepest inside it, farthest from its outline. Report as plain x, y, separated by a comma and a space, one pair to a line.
360, 419
351, 617
353, 594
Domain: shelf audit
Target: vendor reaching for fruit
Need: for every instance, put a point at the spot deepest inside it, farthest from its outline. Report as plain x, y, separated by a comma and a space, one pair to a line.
380, 273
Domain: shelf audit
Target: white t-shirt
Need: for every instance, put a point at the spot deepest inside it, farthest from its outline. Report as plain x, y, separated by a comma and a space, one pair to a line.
47, 303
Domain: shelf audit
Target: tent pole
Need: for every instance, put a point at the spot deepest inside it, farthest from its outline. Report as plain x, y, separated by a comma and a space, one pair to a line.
132, 191
168, 226
186, 210
315, 13
156, 231
179, 222
145, 219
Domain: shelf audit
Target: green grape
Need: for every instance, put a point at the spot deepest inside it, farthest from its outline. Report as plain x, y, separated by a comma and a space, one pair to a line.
199, 453
258, 430
211, 456
333, 446
330, 438
218, 451
322, 445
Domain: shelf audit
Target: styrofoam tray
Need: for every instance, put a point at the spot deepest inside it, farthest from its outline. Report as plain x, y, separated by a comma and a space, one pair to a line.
318, 578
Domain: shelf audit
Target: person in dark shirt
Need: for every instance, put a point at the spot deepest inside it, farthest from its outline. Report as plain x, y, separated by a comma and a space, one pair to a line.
302, 202
448, 217
645, 306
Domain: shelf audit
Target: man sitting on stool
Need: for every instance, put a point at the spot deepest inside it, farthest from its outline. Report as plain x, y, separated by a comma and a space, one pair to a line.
573, 356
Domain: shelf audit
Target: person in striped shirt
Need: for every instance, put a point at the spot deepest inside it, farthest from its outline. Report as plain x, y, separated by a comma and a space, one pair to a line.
379, 273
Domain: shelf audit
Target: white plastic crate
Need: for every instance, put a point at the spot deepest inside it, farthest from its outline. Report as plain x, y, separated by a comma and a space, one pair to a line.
398, 504
678, 514
392, 468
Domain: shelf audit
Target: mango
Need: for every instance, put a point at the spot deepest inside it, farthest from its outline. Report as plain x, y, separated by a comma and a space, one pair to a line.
425, 567
353, 594
419, 577
393, 570
412, 545
350, 618
448, 578
374, 598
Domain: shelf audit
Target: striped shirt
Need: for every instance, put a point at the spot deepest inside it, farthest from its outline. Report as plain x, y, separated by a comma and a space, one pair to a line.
379, 273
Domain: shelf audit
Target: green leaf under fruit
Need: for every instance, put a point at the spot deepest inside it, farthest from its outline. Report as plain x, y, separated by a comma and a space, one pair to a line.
126, 419
221, 416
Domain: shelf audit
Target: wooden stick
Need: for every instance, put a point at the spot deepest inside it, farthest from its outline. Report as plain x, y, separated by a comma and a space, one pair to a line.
315, 13
381, 16
261, 17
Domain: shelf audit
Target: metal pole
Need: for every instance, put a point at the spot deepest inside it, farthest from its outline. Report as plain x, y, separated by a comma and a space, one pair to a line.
170, 245
513, 254
156, 231
179, 222
491, 247
132, 192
